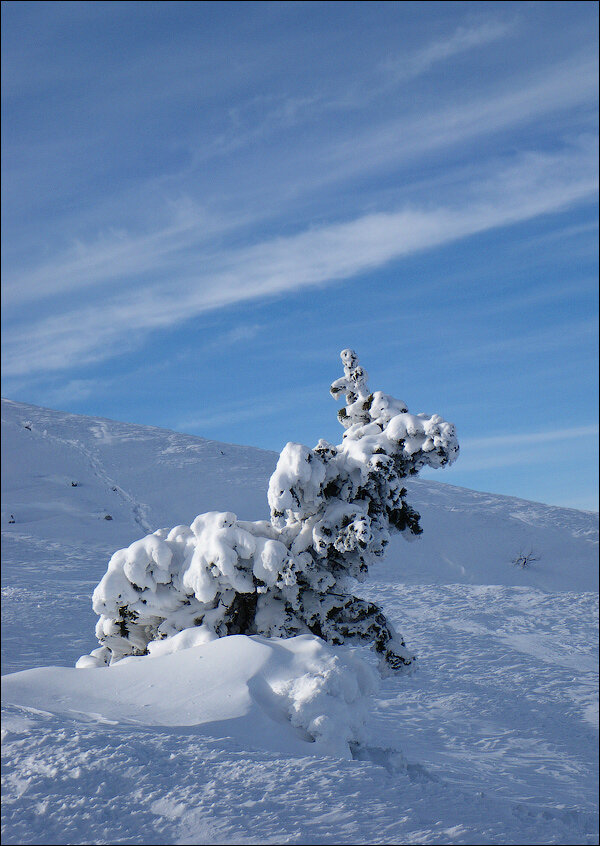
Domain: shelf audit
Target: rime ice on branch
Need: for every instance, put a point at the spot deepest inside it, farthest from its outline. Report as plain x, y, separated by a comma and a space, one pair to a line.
332, 511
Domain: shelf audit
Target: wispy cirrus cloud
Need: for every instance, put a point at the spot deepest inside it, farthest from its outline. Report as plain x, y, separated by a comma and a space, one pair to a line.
534, 342
114, 257
261, 116
72, 391
237, 411
572, 84
533, 185
173, 248
336, 156
523, 448
462, 40
531, 438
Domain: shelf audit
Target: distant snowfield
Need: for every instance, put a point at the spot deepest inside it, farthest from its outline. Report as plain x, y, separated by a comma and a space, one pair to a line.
493, 739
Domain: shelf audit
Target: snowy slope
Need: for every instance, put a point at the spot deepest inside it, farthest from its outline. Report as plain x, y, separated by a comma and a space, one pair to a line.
492, 739
146, 478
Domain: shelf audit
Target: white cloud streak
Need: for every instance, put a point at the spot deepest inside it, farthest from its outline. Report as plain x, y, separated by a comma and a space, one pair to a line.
567, 86
462, 40
522, 448
116, 256
292, 110
530, 438
177, 247
535, 185
234, 412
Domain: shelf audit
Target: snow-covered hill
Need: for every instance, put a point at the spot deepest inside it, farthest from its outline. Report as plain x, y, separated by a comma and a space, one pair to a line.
493, 739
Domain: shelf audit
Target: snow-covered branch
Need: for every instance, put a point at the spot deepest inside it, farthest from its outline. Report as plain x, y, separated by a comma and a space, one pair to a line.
332, 511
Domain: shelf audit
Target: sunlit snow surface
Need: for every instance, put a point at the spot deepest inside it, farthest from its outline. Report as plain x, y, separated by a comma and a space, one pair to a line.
492, 740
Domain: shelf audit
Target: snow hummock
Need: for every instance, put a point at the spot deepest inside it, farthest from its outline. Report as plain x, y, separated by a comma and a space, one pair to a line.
296, 696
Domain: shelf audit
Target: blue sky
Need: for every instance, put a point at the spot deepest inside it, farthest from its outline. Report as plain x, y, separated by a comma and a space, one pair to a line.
203, 203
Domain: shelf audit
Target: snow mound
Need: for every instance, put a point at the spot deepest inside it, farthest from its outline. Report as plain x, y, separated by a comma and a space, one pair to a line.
296, 696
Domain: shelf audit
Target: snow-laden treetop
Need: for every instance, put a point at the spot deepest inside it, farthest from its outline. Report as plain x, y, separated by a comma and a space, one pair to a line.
332, 511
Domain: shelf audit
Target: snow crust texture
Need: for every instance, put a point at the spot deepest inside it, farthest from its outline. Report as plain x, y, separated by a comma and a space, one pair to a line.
498, 747
333, 509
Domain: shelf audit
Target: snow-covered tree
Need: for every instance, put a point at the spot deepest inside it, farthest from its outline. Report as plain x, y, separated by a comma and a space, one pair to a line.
333, 509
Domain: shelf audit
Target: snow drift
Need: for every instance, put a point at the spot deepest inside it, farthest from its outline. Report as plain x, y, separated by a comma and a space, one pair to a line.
295, 696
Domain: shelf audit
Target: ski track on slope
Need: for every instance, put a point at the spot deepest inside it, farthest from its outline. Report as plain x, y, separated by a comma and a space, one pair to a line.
100, 432
139, 511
